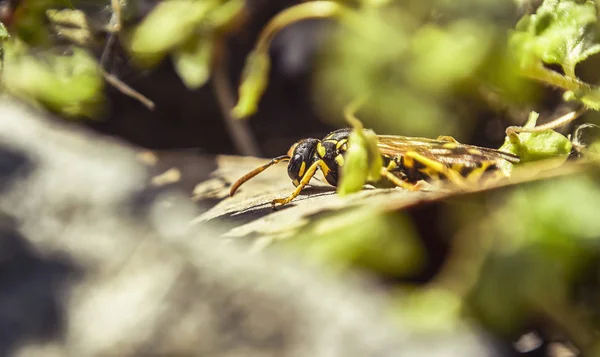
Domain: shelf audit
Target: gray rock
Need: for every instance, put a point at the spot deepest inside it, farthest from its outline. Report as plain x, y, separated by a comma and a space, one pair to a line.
93, 262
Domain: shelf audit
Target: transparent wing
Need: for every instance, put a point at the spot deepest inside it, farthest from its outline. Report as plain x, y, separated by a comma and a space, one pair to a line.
447, 152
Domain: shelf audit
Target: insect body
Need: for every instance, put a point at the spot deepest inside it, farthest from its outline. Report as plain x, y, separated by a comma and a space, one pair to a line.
406, 161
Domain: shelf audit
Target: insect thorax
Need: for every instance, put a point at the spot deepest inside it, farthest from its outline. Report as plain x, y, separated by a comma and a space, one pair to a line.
331, 151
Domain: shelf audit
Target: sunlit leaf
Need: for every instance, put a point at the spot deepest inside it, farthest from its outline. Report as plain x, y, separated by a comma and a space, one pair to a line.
3, 32
193, 61
562, 32
169, 25
254, 84
224, 14
533, 146
355, 171
69, 84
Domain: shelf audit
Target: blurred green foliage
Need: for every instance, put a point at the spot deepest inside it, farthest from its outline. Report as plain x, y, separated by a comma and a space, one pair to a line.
72, 85
361, 238
69, 84
187, 30
560, 32
543, 238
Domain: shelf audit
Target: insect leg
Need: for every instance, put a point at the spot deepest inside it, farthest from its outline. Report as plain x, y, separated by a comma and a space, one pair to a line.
305, 180
436, 166
397, 181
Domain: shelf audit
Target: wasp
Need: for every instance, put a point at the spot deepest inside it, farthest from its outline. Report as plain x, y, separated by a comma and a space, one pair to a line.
406, 161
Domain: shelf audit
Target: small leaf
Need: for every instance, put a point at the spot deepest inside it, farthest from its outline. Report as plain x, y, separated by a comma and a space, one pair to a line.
4, 35
254, 83
560, 32
355, 171
72, 25
362, 160
533, 146
71, 85
223, 14
169, 25
192, 61
375, 158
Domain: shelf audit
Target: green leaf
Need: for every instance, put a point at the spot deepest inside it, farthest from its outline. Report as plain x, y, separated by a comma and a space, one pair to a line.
224, 14
533, 146
431, 309
375, 158
254, 84
362, 161
72, 25
361, 238
169, 25
355, 171
71, 85
446, 56
562, 32
544, 236
4, 35
192, 61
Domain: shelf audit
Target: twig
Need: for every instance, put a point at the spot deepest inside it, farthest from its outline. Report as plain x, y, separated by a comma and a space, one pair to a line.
556, 123
127, 90
113, 29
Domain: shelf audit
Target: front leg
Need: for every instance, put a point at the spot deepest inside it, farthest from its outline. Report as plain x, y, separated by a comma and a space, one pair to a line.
305, 180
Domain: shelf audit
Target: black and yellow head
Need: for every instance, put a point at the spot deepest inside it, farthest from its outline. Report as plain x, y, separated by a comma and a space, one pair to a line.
302, 154
327, 154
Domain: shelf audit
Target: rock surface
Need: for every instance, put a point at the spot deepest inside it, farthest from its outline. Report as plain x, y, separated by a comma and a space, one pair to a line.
99, 259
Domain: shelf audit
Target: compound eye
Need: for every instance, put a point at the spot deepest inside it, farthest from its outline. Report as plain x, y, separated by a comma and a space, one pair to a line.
295, 166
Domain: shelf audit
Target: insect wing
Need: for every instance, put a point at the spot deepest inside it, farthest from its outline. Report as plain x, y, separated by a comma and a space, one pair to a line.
446, 152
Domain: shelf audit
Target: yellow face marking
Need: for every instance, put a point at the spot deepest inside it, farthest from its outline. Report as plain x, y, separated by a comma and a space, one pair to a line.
340, 143
339, 160
392, 165
296, 183
474, 151
321, 150
302, 168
